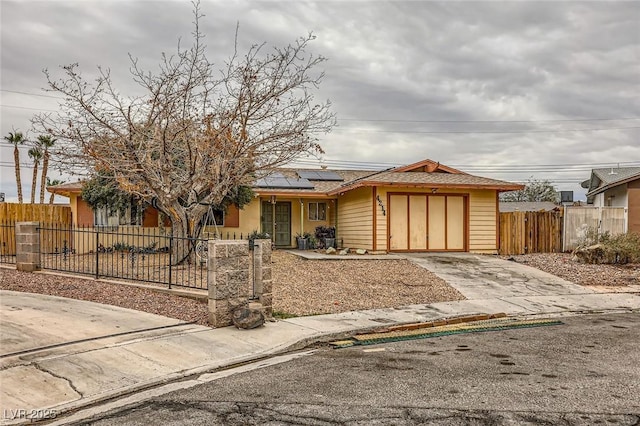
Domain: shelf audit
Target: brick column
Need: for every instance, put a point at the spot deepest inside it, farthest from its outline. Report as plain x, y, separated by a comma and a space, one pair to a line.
27, 246
227, 279
262, 273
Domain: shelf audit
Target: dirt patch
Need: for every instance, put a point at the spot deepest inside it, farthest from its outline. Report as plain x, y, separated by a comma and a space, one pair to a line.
562, 265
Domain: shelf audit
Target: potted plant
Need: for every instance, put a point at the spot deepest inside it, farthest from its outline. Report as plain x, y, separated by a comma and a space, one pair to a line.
312, 242
301, 240
327, 235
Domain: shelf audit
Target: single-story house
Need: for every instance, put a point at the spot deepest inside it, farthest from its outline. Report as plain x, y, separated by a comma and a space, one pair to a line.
616, 187
425, 206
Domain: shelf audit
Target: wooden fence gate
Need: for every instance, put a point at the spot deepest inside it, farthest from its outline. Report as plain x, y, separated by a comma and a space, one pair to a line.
530, 232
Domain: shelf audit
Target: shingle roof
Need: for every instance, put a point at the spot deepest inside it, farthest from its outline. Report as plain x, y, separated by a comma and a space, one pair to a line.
65, 189
320, 187
613, 175
435, 180
357, 178
603, 179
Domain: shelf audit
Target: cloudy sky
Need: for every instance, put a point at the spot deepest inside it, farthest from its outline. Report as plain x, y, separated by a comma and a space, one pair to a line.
509, 90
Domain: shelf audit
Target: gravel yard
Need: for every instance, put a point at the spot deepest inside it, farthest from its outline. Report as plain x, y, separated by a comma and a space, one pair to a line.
307, 287
561, 265
125, 296
310, 287
301, 287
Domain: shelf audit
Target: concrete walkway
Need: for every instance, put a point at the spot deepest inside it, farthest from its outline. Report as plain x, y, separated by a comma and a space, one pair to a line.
65, 354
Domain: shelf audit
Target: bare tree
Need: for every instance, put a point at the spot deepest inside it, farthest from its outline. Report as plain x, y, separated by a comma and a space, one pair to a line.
197, 133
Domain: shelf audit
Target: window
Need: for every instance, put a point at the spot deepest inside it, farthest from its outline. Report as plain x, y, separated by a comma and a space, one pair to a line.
317, 211
131, 216
214, 217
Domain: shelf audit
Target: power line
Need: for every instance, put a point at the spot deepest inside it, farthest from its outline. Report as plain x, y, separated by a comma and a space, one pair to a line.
34, 109
31, 94
466, 166
448, 132
488, 121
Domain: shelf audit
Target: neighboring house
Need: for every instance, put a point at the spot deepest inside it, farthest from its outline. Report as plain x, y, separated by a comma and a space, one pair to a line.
425, 206
527, 206
616, 187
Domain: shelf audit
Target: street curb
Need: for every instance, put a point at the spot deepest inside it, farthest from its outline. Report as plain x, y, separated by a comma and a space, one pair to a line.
295, 345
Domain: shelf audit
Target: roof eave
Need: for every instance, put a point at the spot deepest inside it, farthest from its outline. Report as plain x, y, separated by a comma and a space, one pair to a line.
499, 188
269, 192
612, 185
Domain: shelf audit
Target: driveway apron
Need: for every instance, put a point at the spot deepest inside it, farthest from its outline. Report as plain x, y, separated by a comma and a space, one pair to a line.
489, 277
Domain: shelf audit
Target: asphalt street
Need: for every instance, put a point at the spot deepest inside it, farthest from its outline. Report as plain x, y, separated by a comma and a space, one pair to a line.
585, 371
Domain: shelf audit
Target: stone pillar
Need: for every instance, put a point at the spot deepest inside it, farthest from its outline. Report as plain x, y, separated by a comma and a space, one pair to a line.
262, 273
27, 246
227, 276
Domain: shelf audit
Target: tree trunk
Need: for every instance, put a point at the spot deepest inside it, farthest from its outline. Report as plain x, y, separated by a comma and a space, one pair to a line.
43, 180
51, 197
34, 182
16, 160
183, 245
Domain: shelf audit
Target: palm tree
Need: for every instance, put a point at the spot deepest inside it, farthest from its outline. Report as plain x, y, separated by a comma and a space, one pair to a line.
35, 154
16, 139
52, 183
46, 142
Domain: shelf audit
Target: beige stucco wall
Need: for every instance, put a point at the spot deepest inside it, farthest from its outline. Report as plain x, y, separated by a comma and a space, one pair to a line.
249, 221
482, 216
355, 219
250, 217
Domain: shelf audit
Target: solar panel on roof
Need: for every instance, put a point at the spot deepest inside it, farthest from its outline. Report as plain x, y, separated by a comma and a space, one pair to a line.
283, 182
320, 175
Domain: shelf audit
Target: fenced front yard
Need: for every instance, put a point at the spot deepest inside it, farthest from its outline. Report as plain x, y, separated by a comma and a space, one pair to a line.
128, 253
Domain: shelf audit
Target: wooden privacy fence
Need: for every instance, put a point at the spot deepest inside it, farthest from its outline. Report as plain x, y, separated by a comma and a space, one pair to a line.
11, 213
45, 213
530, 232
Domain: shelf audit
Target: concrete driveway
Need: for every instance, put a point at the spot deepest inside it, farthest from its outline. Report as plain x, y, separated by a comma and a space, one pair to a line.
62, 354
489, 277
493, 284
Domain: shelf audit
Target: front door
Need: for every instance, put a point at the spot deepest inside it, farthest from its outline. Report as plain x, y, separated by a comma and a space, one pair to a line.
280, 228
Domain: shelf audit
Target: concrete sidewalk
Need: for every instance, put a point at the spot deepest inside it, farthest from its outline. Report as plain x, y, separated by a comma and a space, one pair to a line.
64, 354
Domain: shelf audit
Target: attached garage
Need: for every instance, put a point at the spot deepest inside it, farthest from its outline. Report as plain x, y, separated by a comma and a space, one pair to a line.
423, 207
427, 222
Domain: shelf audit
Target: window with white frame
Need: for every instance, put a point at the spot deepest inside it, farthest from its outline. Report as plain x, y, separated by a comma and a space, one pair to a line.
103, 216
317, 211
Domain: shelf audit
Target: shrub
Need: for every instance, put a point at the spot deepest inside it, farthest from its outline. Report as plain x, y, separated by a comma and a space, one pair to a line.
620, 249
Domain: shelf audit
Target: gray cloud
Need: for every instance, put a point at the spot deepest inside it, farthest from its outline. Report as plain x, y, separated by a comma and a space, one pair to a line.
409, 60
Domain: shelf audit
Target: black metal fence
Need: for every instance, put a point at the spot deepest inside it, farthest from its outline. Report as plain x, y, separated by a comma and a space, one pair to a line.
8, 242
152, 255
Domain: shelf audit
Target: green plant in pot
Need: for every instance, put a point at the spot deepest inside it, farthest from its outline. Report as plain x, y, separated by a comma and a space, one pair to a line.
312, 241
326, 235
301, 241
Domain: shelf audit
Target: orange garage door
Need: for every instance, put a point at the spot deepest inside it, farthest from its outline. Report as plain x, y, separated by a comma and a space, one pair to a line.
421, 222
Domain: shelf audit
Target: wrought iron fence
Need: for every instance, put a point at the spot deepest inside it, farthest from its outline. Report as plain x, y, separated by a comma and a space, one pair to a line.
152, 255
8, 242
